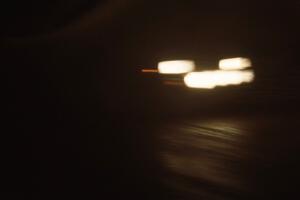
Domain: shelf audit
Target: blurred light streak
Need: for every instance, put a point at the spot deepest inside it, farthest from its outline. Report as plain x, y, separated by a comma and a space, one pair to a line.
173, 83
149, 70
211, 79
176, 67
234, 63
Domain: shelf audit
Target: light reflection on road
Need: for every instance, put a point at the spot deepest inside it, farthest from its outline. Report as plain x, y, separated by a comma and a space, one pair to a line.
221, 157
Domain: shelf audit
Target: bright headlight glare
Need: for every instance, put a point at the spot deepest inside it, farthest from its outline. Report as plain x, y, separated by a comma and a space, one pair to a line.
235, 63
211, 79
176, 67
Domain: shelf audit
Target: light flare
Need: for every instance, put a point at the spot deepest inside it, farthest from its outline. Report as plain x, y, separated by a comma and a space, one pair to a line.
235, 64
176, 67
212, 79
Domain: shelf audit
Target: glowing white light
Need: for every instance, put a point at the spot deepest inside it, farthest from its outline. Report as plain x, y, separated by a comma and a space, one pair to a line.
211, 79
176, 67
234, 63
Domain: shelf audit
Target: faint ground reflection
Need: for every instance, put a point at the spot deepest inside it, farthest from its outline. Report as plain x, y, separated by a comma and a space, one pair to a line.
227, 159
208, 152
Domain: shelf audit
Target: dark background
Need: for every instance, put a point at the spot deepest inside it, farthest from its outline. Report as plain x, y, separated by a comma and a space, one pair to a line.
81, 117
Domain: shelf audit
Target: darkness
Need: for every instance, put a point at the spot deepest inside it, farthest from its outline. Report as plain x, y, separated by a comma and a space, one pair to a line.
82, 121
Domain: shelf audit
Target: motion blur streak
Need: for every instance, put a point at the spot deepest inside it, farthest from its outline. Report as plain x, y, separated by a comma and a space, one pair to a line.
149, 70
173, 83
211, 79
234, 63
176, 67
